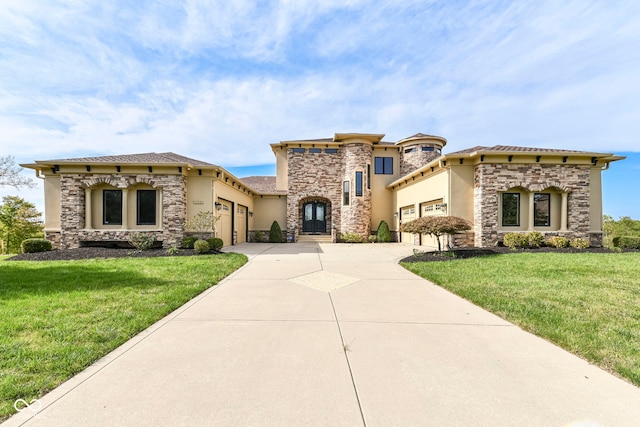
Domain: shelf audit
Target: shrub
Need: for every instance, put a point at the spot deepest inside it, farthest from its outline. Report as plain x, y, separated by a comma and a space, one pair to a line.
557, 242
275, 233
173, 250
258, 236
35, 245
626, 242
142, 241
215, 243
372, 239
580, 243
201, 246
515, 240
535, 239
384, 235
188, 241
351, 237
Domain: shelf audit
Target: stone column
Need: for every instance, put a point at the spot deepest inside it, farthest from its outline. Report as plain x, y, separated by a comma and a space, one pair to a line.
87, 210
564, 212
125, 209
532, 213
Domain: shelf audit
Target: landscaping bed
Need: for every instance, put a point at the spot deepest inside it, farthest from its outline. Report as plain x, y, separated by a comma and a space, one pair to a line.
462, 253
89, 252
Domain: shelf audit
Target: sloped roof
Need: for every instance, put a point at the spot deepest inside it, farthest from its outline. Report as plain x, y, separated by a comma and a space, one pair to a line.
512, 149
141, 158
263, 184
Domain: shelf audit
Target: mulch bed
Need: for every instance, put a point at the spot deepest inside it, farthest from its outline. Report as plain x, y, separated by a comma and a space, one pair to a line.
87, 253
476, 252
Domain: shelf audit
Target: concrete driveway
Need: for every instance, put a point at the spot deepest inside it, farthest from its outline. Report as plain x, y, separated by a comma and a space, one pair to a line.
335, 335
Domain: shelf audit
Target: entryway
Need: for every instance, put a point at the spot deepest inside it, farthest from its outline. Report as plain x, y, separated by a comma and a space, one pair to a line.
314, 217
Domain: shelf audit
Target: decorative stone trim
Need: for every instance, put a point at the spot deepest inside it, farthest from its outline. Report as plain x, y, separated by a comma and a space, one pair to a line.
491, 179
73, 205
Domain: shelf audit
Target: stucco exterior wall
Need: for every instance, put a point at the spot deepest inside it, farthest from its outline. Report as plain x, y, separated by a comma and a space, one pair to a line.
267, 210
52, 202
382, 199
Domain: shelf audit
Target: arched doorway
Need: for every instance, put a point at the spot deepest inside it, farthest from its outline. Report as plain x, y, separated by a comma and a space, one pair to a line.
314, 217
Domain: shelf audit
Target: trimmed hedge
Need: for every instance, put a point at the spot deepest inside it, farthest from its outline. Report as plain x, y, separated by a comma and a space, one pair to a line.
188, 241
275, 233
515, 240
215, 243
35, 245
201, 246
557, 242
626, 242
384, 235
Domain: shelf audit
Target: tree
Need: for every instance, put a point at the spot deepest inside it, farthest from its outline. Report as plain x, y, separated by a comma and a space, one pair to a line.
436, 226
19, 220
203, 222
10, 174
384, 235
623, 227
275, 233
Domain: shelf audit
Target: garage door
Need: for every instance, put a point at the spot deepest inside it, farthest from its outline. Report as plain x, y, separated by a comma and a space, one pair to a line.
408, 213
241, 224
224, 226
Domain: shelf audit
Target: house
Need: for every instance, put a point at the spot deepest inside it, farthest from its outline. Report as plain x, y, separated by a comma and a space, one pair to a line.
345, 184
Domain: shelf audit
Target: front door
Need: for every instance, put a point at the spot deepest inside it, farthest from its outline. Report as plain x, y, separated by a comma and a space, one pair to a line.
314, 218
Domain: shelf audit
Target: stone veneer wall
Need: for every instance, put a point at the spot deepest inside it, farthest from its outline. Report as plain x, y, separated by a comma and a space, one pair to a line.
490, 179
313, 176
415, 160
72, 213
356, 217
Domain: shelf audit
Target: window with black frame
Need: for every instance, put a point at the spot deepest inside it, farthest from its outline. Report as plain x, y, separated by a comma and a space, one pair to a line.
383, 165
146, 207
112, 207
542, 209
510, 209
345, 193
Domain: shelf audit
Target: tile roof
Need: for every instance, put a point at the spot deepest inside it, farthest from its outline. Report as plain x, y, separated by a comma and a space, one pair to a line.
134, 158
263, 184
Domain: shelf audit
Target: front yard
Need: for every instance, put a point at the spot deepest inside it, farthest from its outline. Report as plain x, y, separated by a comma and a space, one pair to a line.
587, 303
58, 317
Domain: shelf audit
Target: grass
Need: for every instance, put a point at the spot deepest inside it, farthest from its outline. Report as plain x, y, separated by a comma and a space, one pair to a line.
587, 303
58, 317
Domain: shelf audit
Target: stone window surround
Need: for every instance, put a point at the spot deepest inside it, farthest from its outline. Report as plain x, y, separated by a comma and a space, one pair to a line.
124, 225
530, 193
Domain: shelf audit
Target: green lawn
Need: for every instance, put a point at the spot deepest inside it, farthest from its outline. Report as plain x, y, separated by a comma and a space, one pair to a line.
587, 303
58, 317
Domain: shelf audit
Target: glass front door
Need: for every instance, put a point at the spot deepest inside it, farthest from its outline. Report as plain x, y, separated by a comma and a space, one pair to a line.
314, 218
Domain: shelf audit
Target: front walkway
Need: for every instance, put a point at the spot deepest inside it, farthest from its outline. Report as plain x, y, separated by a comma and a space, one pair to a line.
336, 335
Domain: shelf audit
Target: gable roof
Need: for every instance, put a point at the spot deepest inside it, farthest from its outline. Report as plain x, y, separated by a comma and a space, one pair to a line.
141, 158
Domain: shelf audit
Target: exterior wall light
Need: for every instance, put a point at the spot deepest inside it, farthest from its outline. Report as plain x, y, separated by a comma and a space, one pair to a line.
218, 206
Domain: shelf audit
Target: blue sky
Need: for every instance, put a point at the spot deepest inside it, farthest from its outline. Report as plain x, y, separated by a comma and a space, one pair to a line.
221, 80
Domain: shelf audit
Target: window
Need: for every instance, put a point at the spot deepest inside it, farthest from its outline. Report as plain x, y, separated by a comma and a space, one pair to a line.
542, 209
345, 193
427, 148
331, 150
510, 209
383, 165
410, 150
112, 207
315, 150
369, 177
299, 150
359, 184
146, 207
